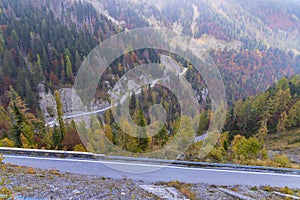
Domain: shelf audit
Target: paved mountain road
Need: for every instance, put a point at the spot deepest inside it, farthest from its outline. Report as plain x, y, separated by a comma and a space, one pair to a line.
168, 173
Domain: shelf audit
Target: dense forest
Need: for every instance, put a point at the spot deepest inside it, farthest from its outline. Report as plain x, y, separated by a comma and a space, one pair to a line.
250, 120
45, 43
35, 47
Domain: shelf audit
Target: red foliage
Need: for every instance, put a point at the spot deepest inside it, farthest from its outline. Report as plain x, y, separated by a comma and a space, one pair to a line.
71, 139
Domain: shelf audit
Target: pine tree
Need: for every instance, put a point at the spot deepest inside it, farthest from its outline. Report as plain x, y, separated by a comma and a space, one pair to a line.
140, 121
62, 127
282, 122
30, 96
294, 115
133, 102
57, 138
203, 121
77, 61
24, 124
129, 143
5, 123
162, 137
263, 130
69, 69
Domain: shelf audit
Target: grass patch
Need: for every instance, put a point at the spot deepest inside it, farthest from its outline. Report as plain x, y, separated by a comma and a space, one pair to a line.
184, 188
267, 188
286, 190
284, 140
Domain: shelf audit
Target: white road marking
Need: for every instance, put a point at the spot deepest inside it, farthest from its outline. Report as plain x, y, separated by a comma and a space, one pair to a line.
154, 166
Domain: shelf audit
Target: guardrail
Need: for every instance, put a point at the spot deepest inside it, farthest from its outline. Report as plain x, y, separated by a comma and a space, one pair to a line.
206, 164
88, 155
50, 153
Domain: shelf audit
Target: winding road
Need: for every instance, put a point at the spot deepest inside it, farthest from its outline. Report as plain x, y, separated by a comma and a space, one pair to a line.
166, 60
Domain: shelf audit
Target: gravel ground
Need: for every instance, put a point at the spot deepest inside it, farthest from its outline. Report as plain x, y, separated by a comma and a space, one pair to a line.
29, 182
51, 184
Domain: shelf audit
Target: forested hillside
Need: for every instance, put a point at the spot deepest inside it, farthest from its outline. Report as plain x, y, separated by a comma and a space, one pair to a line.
256, 125
42, 42
269, 32
45, 42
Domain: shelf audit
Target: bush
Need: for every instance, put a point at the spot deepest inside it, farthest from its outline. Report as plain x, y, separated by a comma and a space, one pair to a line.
282, 160
267, 188
286, 190
79, 147
6, 143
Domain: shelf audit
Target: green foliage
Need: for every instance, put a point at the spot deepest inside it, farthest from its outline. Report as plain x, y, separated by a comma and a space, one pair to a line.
282, 122
57, 138
69, 69
141, 133
25, 126
203, 123
294, 115
161, 137
59, 133
275, 110
244, 149
37, 46
282, 160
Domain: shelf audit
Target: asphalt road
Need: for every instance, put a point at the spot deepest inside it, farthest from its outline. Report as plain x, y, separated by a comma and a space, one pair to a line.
167, 173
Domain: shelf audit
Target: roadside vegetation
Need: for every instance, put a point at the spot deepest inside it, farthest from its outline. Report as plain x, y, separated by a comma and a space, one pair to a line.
5, 193
201, 191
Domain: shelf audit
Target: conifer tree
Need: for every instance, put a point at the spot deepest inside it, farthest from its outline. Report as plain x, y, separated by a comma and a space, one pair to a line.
141, 122
59, 134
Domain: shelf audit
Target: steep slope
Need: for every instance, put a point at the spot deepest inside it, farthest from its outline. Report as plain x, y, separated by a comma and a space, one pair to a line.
45, 42
268, 30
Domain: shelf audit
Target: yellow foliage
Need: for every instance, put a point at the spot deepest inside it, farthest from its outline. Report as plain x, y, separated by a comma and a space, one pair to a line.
79, 147
6, 143
286, 190
282, 160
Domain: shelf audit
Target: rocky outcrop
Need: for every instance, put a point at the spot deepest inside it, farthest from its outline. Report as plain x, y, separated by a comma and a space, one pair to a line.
47, 103
71, 102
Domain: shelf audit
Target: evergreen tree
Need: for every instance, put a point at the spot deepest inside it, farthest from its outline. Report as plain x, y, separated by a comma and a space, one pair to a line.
294, 115
5, 123
62, 128
161, 137
141, 122
263, 130
25, 126
69, 69
282, 122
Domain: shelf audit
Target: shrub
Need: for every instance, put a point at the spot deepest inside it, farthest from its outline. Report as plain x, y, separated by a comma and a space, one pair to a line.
286, 190
282, 160
267, 189
79, 147
6, 143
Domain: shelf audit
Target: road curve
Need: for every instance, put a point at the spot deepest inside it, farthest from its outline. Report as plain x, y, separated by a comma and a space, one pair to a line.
168, 173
